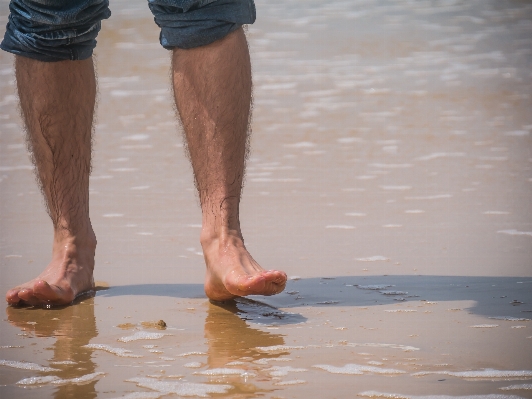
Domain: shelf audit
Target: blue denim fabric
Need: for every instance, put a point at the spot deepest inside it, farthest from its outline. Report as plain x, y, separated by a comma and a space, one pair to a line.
56, 30
194, 23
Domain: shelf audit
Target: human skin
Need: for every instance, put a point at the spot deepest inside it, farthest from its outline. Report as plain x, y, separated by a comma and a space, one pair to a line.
212, 90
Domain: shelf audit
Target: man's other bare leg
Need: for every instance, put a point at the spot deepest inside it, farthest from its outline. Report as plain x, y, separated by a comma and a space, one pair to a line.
212, 88
57, 101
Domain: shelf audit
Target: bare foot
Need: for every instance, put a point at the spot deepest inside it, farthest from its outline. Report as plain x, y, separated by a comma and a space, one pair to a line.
232, 272
68, 275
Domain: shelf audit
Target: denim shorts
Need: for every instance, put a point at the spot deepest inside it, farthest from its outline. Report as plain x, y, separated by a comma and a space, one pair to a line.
57, 30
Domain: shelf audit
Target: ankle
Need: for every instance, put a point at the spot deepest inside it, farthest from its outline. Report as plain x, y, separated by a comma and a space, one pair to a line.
81, 239
220, 228
220, 237
74, 253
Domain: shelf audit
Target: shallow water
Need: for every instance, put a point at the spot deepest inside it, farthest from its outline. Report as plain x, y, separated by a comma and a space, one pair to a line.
390, 176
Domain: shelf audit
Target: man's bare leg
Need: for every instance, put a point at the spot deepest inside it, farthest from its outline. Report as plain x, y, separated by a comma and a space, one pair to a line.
57, 101
212, 88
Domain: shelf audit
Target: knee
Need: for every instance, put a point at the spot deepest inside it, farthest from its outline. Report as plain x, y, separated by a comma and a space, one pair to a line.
193, 23
54, 30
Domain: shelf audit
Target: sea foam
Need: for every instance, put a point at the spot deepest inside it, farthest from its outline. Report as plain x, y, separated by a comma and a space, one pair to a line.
509, 318
141, 395
115, 351
278, 348
26, 366
357, 369
373, 258
290, 382
180, 388
435, 155
226, 371
142, 335
193, 365
514, 232
429, 197
374, 394
192, 354
279, 371
38, 380
485, 326
389, 292
52, 379
486, 373
525, 387
376, 287
404, 348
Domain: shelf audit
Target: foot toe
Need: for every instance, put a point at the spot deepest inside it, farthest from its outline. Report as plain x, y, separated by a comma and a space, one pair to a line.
12, 296
276, 276
266, 283
252, 284
26, 295
276, 288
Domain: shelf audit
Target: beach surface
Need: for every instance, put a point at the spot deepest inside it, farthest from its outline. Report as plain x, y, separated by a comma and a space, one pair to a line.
390, 176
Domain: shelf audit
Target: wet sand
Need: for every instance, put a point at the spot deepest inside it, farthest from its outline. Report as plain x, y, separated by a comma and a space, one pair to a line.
390, 176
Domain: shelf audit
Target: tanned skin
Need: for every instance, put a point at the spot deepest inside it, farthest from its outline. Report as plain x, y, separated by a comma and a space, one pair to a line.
212, 90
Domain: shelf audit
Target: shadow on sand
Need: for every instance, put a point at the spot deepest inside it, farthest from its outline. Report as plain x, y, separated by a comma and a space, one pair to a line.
493, 296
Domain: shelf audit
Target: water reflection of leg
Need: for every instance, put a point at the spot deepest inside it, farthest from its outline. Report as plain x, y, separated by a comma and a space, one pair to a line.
73, 327
230, 338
